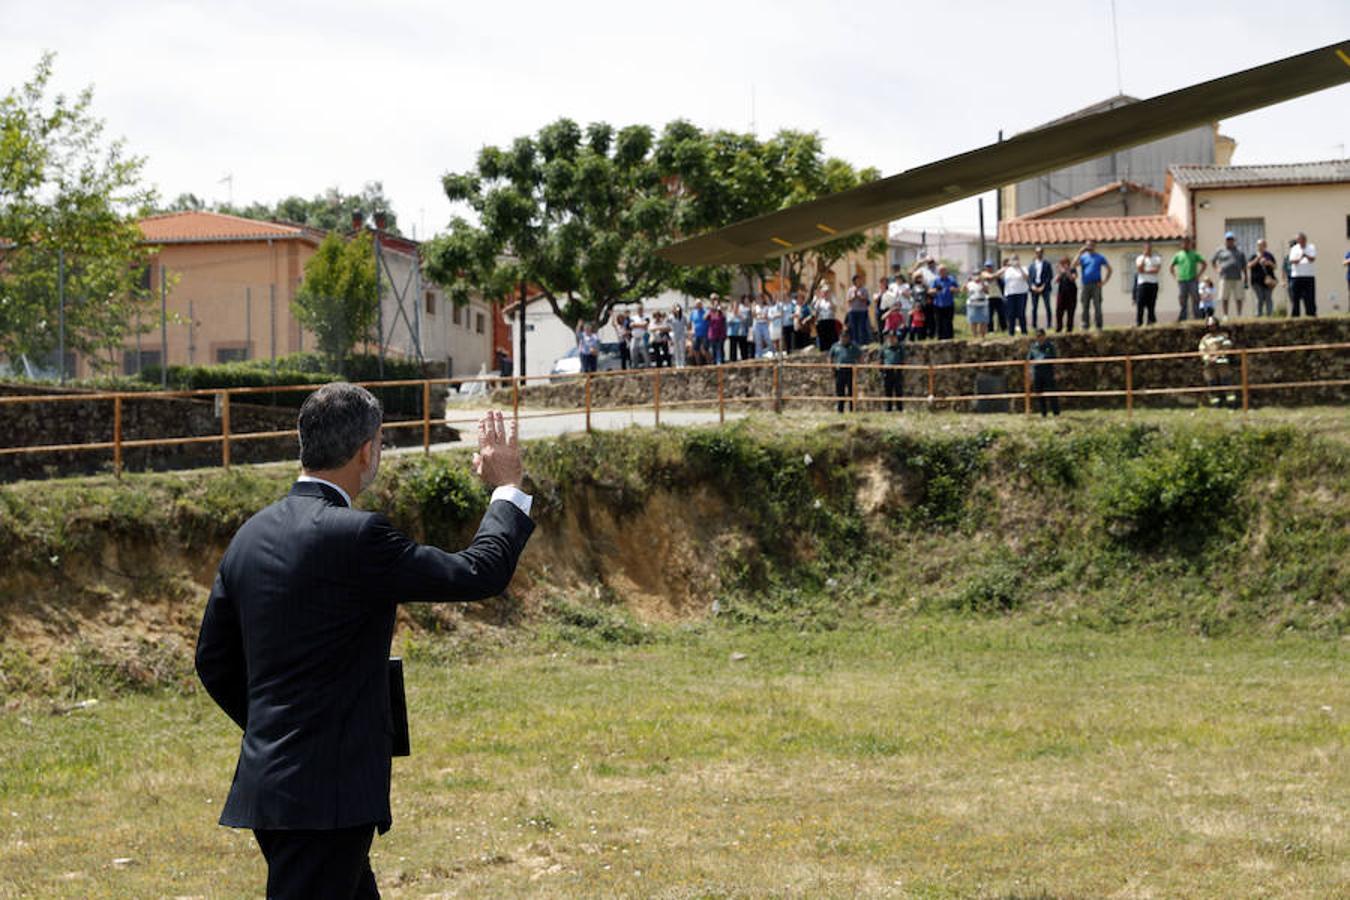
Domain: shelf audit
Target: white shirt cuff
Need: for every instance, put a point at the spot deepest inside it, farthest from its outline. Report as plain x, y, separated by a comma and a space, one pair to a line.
516, 497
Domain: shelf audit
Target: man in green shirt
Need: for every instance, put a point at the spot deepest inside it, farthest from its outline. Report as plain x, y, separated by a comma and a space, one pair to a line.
844, 354
1187, 267
893, 380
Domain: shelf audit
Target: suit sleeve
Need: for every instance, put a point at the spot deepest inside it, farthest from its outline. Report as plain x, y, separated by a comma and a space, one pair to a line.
400, 569
220, 655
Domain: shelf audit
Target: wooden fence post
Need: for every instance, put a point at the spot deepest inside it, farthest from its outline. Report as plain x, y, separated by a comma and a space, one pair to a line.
225, 429
426, 418
1246, 392
1129, 385
656, 394
588, 402
932, 384
1026, 386
721, 398
117, 436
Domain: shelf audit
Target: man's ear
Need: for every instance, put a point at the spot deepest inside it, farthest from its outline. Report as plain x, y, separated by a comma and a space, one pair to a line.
364, 452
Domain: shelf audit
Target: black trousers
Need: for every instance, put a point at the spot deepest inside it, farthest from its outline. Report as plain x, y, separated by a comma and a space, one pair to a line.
1303, 290
893, 382
1146, 304
329, 864
843, 387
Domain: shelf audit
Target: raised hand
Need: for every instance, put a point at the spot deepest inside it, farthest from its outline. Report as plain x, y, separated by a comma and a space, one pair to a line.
497, 461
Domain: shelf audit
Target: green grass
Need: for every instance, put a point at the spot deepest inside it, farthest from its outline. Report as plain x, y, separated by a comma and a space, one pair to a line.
926, 757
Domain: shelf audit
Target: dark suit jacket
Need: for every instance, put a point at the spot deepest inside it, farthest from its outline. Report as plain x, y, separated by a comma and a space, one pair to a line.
1041, 272
295, 641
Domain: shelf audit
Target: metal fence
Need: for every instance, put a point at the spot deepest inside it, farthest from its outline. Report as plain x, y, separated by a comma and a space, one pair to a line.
716, 397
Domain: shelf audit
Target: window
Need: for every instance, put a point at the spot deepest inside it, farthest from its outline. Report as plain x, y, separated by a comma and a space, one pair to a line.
478, 323
134, 361
456, 314
431, 303
231, 354
1247, 232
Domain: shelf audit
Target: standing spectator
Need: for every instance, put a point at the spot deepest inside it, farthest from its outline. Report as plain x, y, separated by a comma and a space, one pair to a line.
736, 331
893, 322
977, 306
761, 332
1261, 269
1041, 277
993, 292
1042, 372
788, 321
1302, 281
588, 348
918, 326
717, 332
1206, 297
893, 380
925, 276
1147, 265
804, 320
1214, 347
775, 323
859, 307
625, 339
844, 354
1015, 293
1091, 264
1066, 296
637, 327
747, 329
698, 321
878, 312
1346, 263
659, 341
944, 303
679, 334
1187, 266
1231, 265
827, 322
905, 294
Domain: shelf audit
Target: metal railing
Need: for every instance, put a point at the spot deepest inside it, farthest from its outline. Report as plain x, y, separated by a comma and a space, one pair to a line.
519, 385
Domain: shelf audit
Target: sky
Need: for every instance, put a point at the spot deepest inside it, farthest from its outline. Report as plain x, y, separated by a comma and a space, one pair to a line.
296, 97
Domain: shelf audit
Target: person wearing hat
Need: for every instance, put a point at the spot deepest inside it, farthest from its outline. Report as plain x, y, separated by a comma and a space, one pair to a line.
1214, 349
1231, 264
1040, 275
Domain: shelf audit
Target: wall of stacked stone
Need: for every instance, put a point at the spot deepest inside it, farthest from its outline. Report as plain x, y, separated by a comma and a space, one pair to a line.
91, 421
743, 382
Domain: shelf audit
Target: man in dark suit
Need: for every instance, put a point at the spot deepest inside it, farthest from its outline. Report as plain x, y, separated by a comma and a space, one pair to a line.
295, 640
1040, 275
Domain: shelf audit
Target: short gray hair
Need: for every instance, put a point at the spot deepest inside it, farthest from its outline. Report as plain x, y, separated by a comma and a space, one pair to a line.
334, 422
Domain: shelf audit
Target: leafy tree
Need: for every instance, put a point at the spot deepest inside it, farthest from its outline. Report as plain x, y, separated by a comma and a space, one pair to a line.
578, 215
337, 299
329, 211
63, 188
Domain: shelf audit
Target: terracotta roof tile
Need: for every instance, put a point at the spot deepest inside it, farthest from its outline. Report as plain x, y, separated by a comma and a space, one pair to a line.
207, 227
1106, 229
1326, 172
1082, 198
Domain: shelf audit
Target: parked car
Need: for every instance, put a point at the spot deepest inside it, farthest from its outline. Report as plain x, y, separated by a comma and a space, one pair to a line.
570, 364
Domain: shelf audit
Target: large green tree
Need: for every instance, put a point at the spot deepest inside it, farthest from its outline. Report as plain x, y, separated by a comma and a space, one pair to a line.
66, 191
337, 299
577, 214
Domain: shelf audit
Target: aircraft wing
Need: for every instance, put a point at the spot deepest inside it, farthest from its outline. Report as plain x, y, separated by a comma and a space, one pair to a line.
1022, 156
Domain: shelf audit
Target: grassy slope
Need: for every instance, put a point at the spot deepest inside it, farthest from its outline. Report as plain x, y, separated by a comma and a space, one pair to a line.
924, 758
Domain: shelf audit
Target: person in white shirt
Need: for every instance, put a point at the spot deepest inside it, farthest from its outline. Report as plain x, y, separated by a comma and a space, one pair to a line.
761, 334
1147, 265
1015, 289
827, 322
775, 324
637, 327
1302, 284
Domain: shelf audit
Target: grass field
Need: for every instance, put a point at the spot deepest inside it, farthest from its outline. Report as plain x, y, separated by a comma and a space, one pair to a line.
915, 757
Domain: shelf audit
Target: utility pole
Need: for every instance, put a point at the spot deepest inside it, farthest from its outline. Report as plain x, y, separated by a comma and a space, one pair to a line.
520, 370
61, 301
192, 333
163, 328
379, 300
982, 255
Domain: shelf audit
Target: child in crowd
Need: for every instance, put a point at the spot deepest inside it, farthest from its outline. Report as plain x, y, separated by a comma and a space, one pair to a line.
1206, 298
917, 323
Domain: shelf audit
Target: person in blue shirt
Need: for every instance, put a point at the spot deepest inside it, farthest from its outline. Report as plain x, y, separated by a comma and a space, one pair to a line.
944, 303
1091, 264
845, 355
698, 320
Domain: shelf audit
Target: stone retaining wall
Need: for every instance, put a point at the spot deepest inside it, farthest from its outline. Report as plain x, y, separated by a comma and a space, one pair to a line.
757, 380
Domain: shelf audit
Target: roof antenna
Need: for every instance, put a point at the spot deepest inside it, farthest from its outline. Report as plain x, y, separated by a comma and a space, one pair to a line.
1115, 33
228, 180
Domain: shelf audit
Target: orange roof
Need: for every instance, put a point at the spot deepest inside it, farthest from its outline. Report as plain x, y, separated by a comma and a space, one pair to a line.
1115, 186
1107, 229
210, 227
